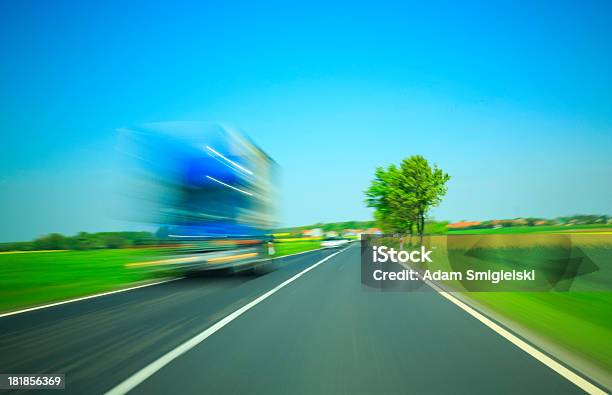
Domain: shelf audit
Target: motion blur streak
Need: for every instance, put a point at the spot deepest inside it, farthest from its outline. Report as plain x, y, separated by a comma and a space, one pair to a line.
162, 262
229, 161
208, 185
229, 186
232, 257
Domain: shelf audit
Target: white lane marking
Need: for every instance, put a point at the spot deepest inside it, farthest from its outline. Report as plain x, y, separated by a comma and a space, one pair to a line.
87, 297
523, 345
563, 371
143, 374
304, 252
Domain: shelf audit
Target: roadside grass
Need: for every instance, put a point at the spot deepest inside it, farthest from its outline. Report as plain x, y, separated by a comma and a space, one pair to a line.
578, 320
295, 246
532, 229
32, 279
296, 239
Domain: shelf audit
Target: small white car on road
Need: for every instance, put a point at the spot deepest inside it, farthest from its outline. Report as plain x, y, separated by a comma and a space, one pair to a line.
334, 242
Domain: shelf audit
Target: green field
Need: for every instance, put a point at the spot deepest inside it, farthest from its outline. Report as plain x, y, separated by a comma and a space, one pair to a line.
577, 320
293, 247
28, 279
531, 229
34, 278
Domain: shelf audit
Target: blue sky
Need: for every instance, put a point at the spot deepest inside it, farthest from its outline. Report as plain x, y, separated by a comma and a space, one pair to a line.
513, 100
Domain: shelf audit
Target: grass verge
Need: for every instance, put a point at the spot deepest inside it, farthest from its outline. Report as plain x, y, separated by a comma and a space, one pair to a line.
573, 317
283, 248
535, 229
580, 322
31, 279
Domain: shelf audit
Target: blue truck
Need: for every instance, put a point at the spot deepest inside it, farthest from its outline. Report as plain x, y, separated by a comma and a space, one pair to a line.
211, 191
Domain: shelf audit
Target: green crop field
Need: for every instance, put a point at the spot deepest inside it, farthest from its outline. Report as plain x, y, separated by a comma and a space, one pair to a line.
38, 277
576, 314
532, 229
295, 246
580, 322
573, 308
28, 279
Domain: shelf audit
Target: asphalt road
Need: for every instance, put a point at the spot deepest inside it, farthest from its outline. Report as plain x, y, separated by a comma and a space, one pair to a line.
320, 334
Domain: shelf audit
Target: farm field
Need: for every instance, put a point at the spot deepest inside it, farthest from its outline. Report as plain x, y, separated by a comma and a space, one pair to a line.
575, 323
605, 228
28, 279
572, 310
293, 246
38, 277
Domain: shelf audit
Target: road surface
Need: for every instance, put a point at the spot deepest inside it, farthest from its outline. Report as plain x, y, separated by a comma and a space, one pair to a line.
319, 334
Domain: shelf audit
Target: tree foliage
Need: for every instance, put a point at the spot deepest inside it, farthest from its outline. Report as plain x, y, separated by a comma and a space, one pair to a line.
83, 241
402, 195
326, 227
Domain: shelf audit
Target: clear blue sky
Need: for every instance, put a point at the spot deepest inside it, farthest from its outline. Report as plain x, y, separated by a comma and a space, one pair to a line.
514, 101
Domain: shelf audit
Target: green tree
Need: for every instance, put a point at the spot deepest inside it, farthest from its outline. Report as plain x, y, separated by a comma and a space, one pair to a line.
424, 186
54, 241
387, 196
113, 240
402, 196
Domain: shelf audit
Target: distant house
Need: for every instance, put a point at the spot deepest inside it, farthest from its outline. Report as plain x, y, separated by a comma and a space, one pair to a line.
463, 224
352, 232
331, 233
373, 231
316, 232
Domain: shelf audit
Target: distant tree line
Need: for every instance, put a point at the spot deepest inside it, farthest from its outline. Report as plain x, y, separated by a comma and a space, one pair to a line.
83, 241
579, 219
582, 219
330, 226
431, 227
101, 240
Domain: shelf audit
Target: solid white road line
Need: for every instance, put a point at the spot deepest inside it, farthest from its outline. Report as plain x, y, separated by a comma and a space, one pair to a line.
578, 380
303, 252
87, 297
158, 364
529, 349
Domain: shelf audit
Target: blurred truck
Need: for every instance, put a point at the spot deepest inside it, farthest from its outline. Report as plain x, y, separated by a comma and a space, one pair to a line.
210, 190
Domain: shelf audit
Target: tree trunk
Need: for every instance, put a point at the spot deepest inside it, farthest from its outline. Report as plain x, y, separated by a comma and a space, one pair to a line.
410, 232
422, 221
